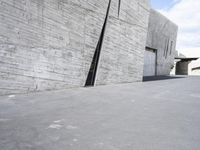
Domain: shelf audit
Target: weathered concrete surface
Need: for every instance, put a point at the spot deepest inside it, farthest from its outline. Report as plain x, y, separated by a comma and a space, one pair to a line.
182, 67
160, 115
122, 54
49, 44
162, 36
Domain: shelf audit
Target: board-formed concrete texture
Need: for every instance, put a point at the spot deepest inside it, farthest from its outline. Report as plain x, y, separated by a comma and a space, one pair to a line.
162, 35
50, 44
182, 67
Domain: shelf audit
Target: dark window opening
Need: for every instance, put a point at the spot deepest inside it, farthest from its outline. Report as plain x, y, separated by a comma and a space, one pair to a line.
171, 47
166, 50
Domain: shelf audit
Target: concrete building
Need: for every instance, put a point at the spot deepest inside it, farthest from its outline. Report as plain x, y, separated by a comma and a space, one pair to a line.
194, 68
56, 44
160, 45
187, 66
182, 65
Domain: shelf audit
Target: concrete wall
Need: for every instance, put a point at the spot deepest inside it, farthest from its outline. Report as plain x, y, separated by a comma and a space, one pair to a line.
162, 35
49, 44
123, 50
182, 67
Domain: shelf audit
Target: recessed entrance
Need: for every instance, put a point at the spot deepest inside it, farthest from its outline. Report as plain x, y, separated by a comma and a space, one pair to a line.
150, 62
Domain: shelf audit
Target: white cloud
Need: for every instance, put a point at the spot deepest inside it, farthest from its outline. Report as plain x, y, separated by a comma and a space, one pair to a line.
186, 14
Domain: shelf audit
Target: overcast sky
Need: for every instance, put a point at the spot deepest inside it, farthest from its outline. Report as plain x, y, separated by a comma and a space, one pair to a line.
186, 14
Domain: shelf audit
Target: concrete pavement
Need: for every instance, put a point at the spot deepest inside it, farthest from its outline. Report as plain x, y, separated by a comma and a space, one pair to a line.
158, 115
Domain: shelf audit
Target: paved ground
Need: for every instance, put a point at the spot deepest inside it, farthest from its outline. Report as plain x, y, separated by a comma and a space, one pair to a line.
158, 115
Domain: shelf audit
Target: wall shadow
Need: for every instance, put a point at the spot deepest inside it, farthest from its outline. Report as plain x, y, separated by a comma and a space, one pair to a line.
155, 78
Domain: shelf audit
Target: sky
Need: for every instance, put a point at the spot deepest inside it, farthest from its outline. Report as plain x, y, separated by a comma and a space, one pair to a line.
186, 14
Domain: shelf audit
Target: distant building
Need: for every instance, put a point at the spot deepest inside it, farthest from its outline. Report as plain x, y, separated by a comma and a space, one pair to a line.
48, 44
183, 65
160, 45
194, 68
186, 65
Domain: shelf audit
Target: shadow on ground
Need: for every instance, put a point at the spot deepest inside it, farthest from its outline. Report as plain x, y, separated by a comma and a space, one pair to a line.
155, 78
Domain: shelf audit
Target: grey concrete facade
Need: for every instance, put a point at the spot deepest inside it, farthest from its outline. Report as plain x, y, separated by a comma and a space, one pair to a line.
182, 67
162, 35
49, 44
